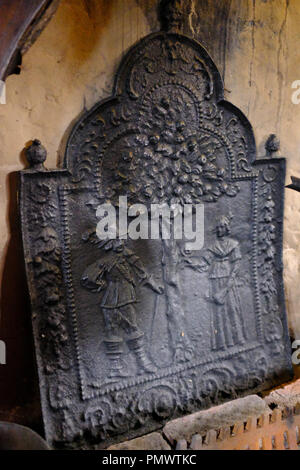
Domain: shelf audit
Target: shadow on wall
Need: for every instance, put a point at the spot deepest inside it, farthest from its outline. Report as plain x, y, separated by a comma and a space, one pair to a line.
19, 393
83, 23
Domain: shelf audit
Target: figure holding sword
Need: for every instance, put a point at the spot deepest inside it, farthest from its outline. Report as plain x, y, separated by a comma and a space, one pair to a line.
117, 274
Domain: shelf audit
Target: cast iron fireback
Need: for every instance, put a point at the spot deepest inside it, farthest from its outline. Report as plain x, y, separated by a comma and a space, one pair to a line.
129, 335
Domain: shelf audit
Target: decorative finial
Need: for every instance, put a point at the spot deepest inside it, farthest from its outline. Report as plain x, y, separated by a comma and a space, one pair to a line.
272, 145
36, 155
175, 14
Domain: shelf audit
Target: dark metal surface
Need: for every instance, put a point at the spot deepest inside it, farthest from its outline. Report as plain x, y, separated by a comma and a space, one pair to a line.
295, 184
16, 437
191, 329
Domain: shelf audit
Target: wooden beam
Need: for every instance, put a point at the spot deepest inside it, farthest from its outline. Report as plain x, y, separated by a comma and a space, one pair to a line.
21, 21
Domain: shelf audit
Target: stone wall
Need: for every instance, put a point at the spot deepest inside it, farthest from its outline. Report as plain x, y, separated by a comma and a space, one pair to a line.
70, 67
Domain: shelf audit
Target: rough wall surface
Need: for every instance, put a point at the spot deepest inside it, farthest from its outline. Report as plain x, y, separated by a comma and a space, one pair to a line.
70, 67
